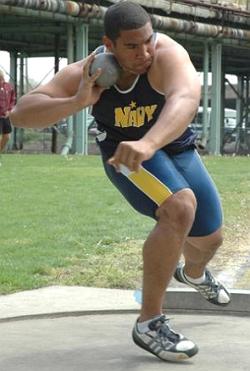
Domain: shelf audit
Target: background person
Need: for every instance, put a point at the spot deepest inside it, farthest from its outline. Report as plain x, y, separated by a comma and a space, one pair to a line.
149, 154
7, 101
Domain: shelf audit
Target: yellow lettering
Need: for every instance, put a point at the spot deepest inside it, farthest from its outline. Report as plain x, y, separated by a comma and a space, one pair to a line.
127, 117
132, 118
140, 116
122, 117
149, 111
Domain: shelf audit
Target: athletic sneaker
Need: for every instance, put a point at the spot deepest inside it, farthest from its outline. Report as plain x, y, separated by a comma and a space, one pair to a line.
163, 342
211, 289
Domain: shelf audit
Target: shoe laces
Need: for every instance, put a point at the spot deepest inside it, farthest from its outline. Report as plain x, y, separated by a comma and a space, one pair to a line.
163, 331
212, 285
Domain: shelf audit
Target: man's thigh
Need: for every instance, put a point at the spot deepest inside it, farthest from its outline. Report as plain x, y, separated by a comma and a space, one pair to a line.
208, 218
153, 184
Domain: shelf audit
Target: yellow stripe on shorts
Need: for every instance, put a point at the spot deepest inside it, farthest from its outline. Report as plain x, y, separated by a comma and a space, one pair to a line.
148, 184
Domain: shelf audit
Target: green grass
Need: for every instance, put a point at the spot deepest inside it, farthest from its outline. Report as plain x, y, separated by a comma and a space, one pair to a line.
232, 177
63, 223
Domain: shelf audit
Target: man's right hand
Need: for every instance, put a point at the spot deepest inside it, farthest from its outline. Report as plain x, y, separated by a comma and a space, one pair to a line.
71, 90
88, 92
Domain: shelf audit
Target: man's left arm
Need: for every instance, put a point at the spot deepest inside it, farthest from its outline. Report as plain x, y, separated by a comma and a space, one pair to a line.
181, 86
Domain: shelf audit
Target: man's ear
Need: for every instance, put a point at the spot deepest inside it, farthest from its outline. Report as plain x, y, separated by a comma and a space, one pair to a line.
108, 43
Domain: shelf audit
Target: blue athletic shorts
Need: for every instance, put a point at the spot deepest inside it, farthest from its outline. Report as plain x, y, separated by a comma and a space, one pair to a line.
163, 175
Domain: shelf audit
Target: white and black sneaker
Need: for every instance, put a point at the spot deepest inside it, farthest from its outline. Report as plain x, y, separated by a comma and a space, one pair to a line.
211, 289
163, 342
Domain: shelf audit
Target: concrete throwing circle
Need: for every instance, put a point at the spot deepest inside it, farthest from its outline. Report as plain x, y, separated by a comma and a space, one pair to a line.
103, 343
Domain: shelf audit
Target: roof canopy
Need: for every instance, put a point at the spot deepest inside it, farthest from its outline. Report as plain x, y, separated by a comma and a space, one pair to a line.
39, 27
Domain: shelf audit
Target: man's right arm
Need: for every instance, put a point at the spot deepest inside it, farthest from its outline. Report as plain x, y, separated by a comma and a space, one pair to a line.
40, 110
71, 90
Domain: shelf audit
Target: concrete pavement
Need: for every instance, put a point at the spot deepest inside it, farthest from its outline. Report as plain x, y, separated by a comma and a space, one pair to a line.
79, 328
58, 301
103, 343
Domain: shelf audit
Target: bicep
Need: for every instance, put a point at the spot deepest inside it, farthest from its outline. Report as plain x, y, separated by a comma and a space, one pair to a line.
51, 89
180, 77
63, 84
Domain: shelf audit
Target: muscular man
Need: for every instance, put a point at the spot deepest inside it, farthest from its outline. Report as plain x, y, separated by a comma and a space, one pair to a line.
7, 101
149, 155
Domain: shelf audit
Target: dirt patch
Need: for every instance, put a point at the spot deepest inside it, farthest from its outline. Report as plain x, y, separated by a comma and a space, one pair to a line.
232, 262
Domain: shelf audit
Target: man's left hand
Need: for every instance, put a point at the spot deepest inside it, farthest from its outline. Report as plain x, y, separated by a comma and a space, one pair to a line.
131, 154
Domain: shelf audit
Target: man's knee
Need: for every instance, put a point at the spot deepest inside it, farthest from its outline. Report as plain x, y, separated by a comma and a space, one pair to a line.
179, 209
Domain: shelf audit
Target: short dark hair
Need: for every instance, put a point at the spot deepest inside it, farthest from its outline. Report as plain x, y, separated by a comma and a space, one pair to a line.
125, 15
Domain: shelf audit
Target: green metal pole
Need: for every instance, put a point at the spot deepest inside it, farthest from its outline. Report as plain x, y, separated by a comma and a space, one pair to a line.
205, 122
70, 56
13, 81
239, 102
215, 130
223, 106
18, 133
247, 103
81, 129
239, 110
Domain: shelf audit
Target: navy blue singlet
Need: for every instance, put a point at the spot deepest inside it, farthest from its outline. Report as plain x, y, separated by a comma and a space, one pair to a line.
128, 115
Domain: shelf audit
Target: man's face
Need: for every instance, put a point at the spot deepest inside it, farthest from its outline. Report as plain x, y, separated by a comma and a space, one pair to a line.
134, 49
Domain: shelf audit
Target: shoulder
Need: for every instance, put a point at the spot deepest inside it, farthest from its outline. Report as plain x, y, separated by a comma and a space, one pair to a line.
169, 51
69, 77
65, 82
72, 70
171, 61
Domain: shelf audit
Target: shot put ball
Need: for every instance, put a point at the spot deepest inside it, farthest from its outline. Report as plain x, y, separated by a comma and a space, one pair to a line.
110, 69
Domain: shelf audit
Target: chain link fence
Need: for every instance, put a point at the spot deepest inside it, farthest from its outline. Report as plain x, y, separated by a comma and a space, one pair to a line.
49, 140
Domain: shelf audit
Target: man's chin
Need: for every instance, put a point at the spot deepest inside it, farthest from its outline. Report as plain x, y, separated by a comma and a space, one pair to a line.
143, 68
137, 70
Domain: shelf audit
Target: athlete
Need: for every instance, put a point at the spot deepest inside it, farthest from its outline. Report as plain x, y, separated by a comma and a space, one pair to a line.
149, 154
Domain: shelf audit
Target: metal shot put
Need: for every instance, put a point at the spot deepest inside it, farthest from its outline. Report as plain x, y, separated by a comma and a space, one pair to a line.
110, 69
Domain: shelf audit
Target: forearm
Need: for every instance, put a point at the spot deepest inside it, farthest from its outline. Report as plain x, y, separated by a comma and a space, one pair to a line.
40, 110
175, 117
